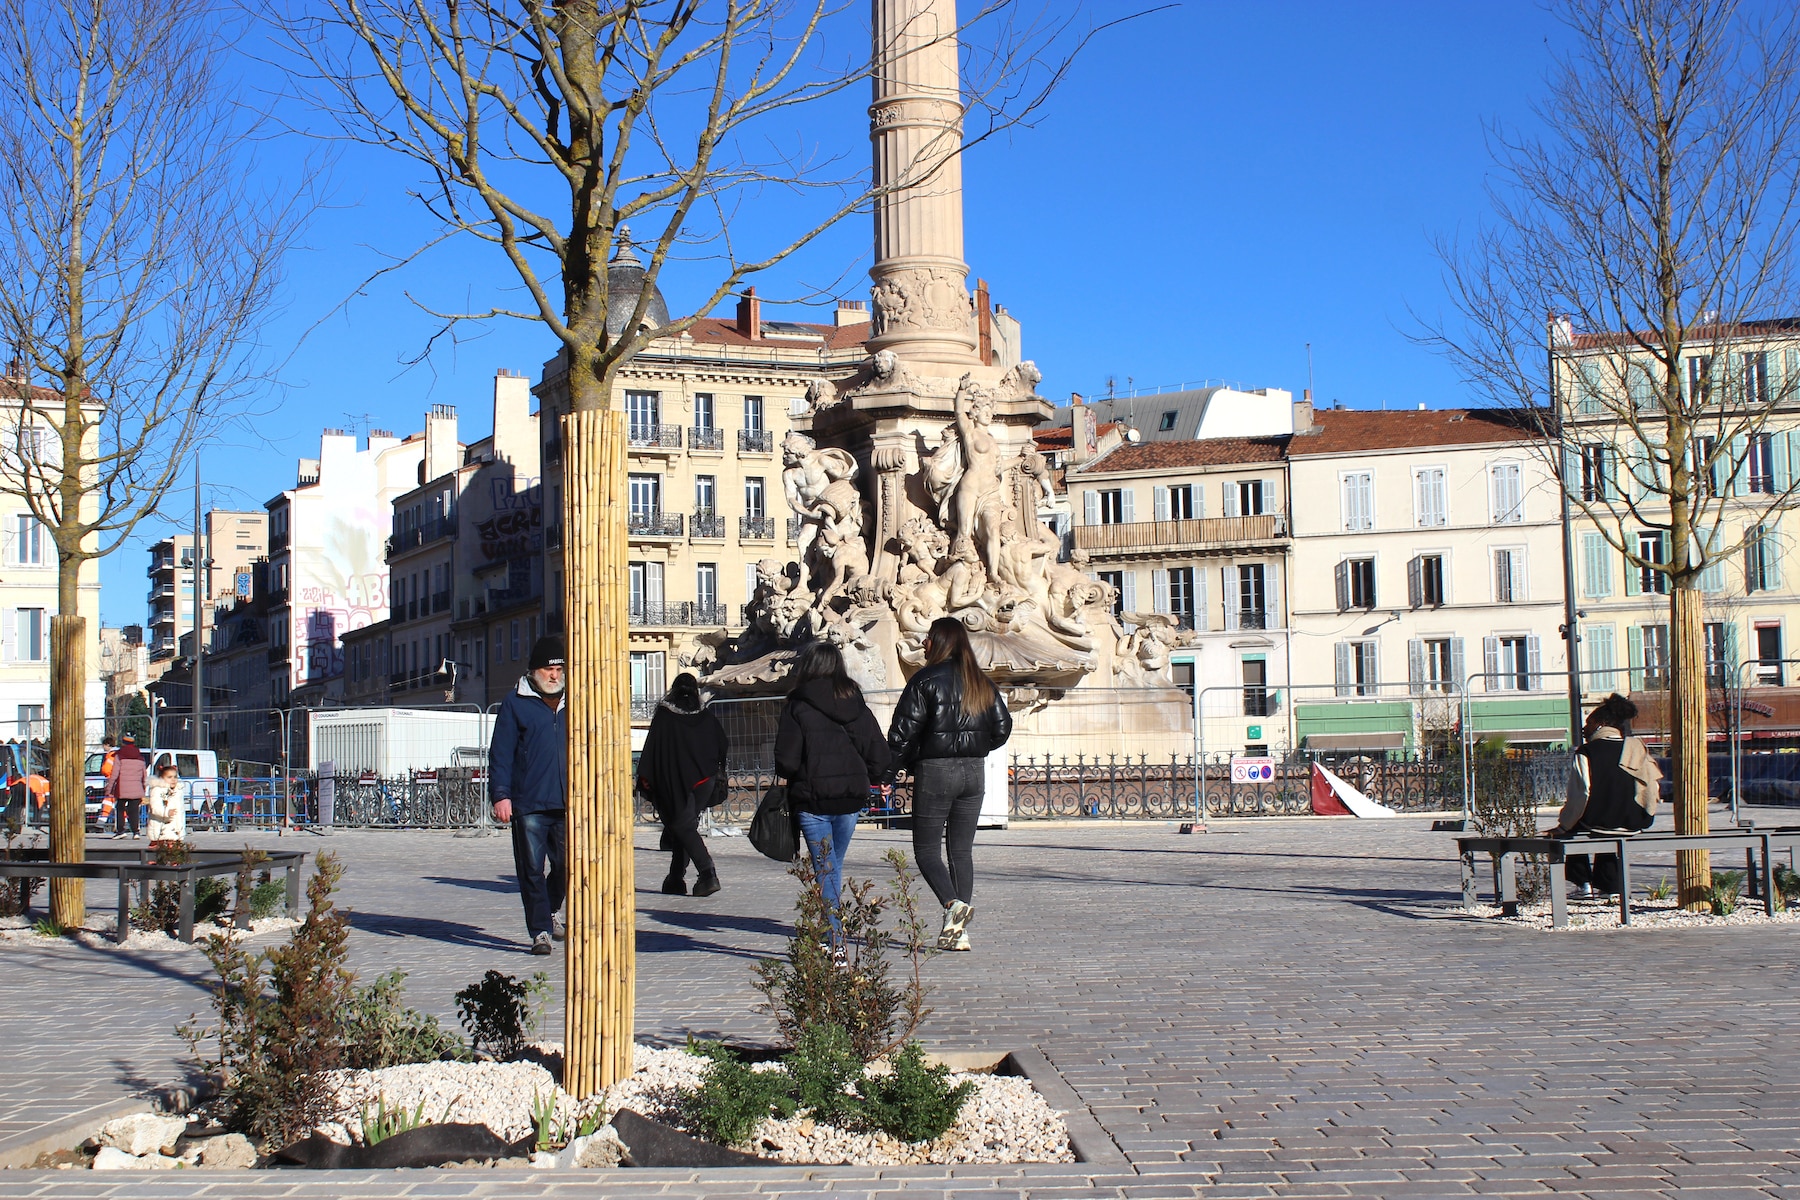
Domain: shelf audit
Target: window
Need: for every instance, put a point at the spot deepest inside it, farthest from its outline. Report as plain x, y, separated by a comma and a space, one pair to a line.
1509, 576
1512, 663
1250, 497
1429, 508
513, 641
1699, 379
1601, 659
703, 411
706, 495
645, 583
1642, 386
1719, 654
1754, 377
1651, 581
1425, 581
753, 414
1356, 674
755, 499
1588, 388
647, 682
30, 541
706, 587
1182, 672
1435, 664
1653, 658
1762, 463
1596, 566
1181, 503
1762, 560
1508, 496
1768, 654
30, 632
30, 441
641, 415
31, 722
1116, 581
1706, 470
1358, 502
1109, 507
1167, 423
1356, 584
644, 494
1596, 473
1256, 687
1252, 601
1181, 595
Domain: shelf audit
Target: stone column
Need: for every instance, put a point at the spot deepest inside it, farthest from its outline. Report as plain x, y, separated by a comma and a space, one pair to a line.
922, 310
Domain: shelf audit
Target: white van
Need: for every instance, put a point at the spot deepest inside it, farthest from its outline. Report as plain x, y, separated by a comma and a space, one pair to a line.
201, 785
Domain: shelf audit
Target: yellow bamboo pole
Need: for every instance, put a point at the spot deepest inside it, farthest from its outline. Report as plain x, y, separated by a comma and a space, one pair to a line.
601, 949
68, 746
1687, 727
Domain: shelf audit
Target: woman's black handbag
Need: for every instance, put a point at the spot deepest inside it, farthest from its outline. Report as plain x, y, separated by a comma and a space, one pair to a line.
772, 828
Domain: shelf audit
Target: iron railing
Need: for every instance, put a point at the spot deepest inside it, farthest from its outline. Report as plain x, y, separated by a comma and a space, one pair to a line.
651, 523
653, 437
710, 438
755, 441
706, 524
756, 529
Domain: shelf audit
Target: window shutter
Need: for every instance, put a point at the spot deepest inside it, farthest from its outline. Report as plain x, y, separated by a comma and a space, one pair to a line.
1634, 648
1415, 582
1490, 661
1779, 459
1344, 670
1731, 654
1371, 684
1343, 586
1600, 659
1503, 577
9, 633
1228, 596
1712, 578
1534, 654
1271, 599
1127, 502
1495, 510
1229, 500
1458, 669
1415, 665
1199, 500
1517, 559
1571, 468
1634, 579
1740, 465
1159, 589
1090, 508
1160, 497
1597, 565
1200, 615
1772, 545
1128, 592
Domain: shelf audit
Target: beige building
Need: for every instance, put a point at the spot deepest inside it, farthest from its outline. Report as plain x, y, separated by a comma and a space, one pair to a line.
707, 411
234, 542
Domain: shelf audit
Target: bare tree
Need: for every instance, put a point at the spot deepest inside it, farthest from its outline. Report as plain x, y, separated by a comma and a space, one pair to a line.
1654, 221
543, 126
136, 264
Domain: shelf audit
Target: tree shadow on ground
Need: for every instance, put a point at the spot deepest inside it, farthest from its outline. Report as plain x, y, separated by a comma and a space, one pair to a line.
431, 929
507, 885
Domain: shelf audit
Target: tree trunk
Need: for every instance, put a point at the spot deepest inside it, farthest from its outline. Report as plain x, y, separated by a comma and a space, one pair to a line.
602, 918
68, 747
1687, 737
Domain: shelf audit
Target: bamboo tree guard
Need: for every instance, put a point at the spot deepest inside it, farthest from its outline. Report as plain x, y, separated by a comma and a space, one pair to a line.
68, 751
602, 927
1687, 737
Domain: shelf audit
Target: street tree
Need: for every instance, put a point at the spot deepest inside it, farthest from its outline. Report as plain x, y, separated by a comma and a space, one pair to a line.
1627, 294
136, 262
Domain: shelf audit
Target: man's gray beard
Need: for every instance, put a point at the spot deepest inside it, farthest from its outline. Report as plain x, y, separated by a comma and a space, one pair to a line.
546, 689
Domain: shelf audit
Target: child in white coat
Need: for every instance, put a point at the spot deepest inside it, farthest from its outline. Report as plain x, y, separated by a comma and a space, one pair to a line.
168, 814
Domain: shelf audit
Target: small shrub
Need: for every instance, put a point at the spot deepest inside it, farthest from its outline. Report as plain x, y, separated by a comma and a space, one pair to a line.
732, 1100
1787, 886
1663, 889
914, 1102
47, 927
242, 910
163, 912
15, 893
385, 1123
822, 1068
1726, 890
502, 1012
379, 1031
267, 898
211, 897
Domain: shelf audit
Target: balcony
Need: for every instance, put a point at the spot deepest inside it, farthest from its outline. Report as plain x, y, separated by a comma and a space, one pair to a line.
1205, 533
553, 537
756, 529
277, 596
440, 602
755, 441
1247, 618
793, 530
644, 707
278, 542
424, 535
278, 656
553, 452
653, 524
707, 524
653, 437
706, 439
651, 613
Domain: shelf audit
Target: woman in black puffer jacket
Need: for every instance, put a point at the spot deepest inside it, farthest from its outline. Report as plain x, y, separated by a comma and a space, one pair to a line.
950, 717
828, 746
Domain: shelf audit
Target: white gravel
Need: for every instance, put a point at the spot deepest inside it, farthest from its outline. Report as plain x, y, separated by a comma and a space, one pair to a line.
1590, 915
498, 1095
97, 934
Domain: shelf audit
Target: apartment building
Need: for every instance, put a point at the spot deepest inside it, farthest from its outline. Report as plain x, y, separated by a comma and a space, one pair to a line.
1744, 382
233, 541
171, 598
1426, 556
706, 411
1199, 530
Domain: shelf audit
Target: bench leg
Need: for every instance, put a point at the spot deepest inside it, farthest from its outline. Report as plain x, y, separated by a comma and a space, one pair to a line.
293, 888
1624, 884
1509, 885
1768, 879
124, 928
1468, 879
1559, 893
186, 929
1750, 872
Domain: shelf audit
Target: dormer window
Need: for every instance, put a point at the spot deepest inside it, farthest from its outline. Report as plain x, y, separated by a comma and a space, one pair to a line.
1167, 423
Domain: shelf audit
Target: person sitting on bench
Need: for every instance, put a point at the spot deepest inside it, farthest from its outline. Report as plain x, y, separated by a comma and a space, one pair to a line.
1612, 790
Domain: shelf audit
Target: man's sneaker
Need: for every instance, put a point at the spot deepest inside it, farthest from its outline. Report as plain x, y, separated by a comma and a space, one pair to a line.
541, 944
558, 929
707, 884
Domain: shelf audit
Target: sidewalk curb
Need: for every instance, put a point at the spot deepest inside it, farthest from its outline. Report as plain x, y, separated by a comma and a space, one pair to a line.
23, 1149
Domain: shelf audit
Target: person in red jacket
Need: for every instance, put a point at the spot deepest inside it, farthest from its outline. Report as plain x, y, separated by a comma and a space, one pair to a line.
126, 786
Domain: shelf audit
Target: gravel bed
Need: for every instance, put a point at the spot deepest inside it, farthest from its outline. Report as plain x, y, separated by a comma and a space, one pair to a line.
97, 934
1589, 915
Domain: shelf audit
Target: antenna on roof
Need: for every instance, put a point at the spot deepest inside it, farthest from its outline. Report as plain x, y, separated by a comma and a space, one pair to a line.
1309, 378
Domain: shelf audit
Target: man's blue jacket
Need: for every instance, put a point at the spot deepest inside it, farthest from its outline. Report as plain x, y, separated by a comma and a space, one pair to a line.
528, 762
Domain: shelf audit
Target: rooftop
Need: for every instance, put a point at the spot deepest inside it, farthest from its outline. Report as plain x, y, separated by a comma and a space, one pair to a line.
1211, 452
1344, 430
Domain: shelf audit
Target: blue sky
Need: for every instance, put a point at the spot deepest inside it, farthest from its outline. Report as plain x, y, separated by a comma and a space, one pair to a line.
1212, 188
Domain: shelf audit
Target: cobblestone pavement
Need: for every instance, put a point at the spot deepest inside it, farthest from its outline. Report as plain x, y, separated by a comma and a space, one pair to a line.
1277, 1008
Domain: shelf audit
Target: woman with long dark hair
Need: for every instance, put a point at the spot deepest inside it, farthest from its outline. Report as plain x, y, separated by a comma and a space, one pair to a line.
682, 770
949, 719
828, 746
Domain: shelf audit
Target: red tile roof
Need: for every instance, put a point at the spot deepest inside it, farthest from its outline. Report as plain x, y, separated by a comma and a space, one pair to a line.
1209, 452
1061, 437
1342, 430
716, 331
1697, 336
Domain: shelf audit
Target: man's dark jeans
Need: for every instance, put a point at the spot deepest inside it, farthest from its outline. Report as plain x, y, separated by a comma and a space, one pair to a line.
538, 837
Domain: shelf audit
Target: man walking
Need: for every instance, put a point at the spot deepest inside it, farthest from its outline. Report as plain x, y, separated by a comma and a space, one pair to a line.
528, 766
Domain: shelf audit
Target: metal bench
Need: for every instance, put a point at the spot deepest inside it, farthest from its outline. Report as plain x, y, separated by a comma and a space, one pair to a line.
135, 866
1503, 851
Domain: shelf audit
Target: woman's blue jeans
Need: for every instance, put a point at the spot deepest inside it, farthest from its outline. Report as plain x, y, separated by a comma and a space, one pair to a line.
828, 840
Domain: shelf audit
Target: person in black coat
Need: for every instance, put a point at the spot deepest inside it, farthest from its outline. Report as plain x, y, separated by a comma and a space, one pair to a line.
829, 747
682, 770
949, 718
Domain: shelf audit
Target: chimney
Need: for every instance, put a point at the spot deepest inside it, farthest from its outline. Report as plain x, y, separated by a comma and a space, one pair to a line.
443, 453
515, 433
852, 312
984, 323
749, 315
1303, 414
1084, 431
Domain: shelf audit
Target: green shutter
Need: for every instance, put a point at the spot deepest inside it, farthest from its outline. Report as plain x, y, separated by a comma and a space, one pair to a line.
1740, 465
1634, 642
1632, 579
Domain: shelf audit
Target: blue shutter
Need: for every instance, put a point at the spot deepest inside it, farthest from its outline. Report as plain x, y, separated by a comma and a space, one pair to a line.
1740, 465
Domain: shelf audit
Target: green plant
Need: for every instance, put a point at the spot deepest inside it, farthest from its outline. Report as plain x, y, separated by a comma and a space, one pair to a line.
501, 1012
15, 893
47, 927
386, 1123
812, 988
211, 896
162, 914
821, 1069
267, 898
380, 1031
242, 911
280, 1016
914, 1102
733, 1099
1787, 886
1663, 889
1726, 889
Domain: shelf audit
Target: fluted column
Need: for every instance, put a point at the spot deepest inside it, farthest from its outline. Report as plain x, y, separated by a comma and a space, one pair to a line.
921, 302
